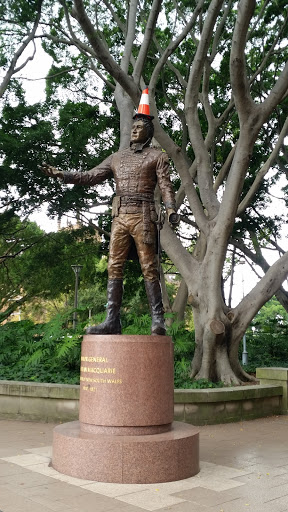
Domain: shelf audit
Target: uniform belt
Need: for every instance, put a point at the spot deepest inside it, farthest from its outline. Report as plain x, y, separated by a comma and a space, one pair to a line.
136, 201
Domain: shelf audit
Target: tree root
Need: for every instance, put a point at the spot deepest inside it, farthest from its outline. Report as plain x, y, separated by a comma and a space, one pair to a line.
245, 375
230, 379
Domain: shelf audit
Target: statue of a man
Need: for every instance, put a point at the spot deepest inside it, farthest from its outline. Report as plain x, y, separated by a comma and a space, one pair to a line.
136, 170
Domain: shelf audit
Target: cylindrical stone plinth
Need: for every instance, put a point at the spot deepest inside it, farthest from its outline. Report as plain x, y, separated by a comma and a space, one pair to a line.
126, 432
126, 381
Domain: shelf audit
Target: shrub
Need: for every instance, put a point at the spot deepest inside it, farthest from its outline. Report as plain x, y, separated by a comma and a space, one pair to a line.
267, 345
51, 352
43, 352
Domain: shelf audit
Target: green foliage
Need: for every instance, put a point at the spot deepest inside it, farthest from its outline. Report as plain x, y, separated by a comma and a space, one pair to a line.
267, 347
26, 138
51, 352
272, 312
201, 384
42, 353
182, 367
184, 345
92, 298
36, 265
60, 135
136, 324
267, 338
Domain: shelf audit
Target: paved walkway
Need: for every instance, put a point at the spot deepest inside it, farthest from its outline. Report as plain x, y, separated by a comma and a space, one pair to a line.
244, 468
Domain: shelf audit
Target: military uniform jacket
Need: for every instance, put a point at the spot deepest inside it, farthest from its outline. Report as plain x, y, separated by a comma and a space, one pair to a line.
136, 171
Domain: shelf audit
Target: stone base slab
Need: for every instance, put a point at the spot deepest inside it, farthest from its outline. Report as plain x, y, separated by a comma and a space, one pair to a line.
140, 459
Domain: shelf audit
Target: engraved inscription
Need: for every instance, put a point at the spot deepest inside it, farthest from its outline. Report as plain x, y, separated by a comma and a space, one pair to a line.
101, 381
94, 359
89, 388
89, 369
88, 378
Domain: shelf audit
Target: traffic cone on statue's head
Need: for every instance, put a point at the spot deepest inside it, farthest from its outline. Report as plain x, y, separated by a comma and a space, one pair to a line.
144, 108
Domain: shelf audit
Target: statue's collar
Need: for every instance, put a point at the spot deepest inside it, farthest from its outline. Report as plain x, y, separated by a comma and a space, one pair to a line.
137, 147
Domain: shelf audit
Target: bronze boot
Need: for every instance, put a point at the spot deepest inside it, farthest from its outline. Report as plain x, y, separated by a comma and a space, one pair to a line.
154, 295
112, 323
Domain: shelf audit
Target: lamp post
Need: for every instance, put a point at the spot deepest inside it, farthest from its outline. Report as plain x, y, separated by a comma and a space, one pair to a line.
76, 269
244, 353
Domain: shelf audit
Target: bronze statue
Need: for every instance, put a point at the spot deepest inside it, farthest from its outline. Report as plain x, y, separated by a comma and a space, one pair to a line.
136, 170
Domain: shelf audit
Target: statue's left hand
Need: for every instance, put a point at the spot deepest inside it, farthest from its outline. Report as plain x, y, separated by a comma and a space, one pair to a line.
53, 172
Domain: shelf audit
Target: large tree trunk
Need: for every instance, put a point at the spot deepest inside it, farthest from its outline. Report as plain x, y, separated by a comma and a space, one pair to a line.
216, 355
218, 331
213, 359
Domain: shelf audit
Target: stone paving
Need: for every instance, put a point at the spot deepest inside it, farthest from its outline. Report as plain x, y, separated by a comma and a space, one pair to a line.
244, 468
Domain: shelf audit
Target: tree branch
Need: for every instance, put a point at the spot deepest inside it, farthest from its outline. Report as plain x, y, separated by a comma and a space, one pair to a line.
171, 47
187, 265
12, 68
205, 181
239, 81
131, 25
264, 170
182, 167
103, 54
148, 36
259, 295
14, 305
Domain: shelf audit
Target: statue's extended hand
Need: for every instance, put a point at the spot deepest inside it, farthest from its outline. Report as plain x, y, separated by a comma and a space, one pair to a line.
51, 171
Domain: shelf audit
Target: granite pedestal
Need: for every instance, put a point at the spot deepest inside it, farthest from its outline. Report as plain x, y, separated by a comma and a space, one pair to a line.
125, 432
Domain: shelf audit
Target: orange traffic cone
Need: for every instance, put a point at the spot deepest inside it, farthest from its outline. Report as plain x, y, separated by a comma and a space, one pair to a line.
144, 108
